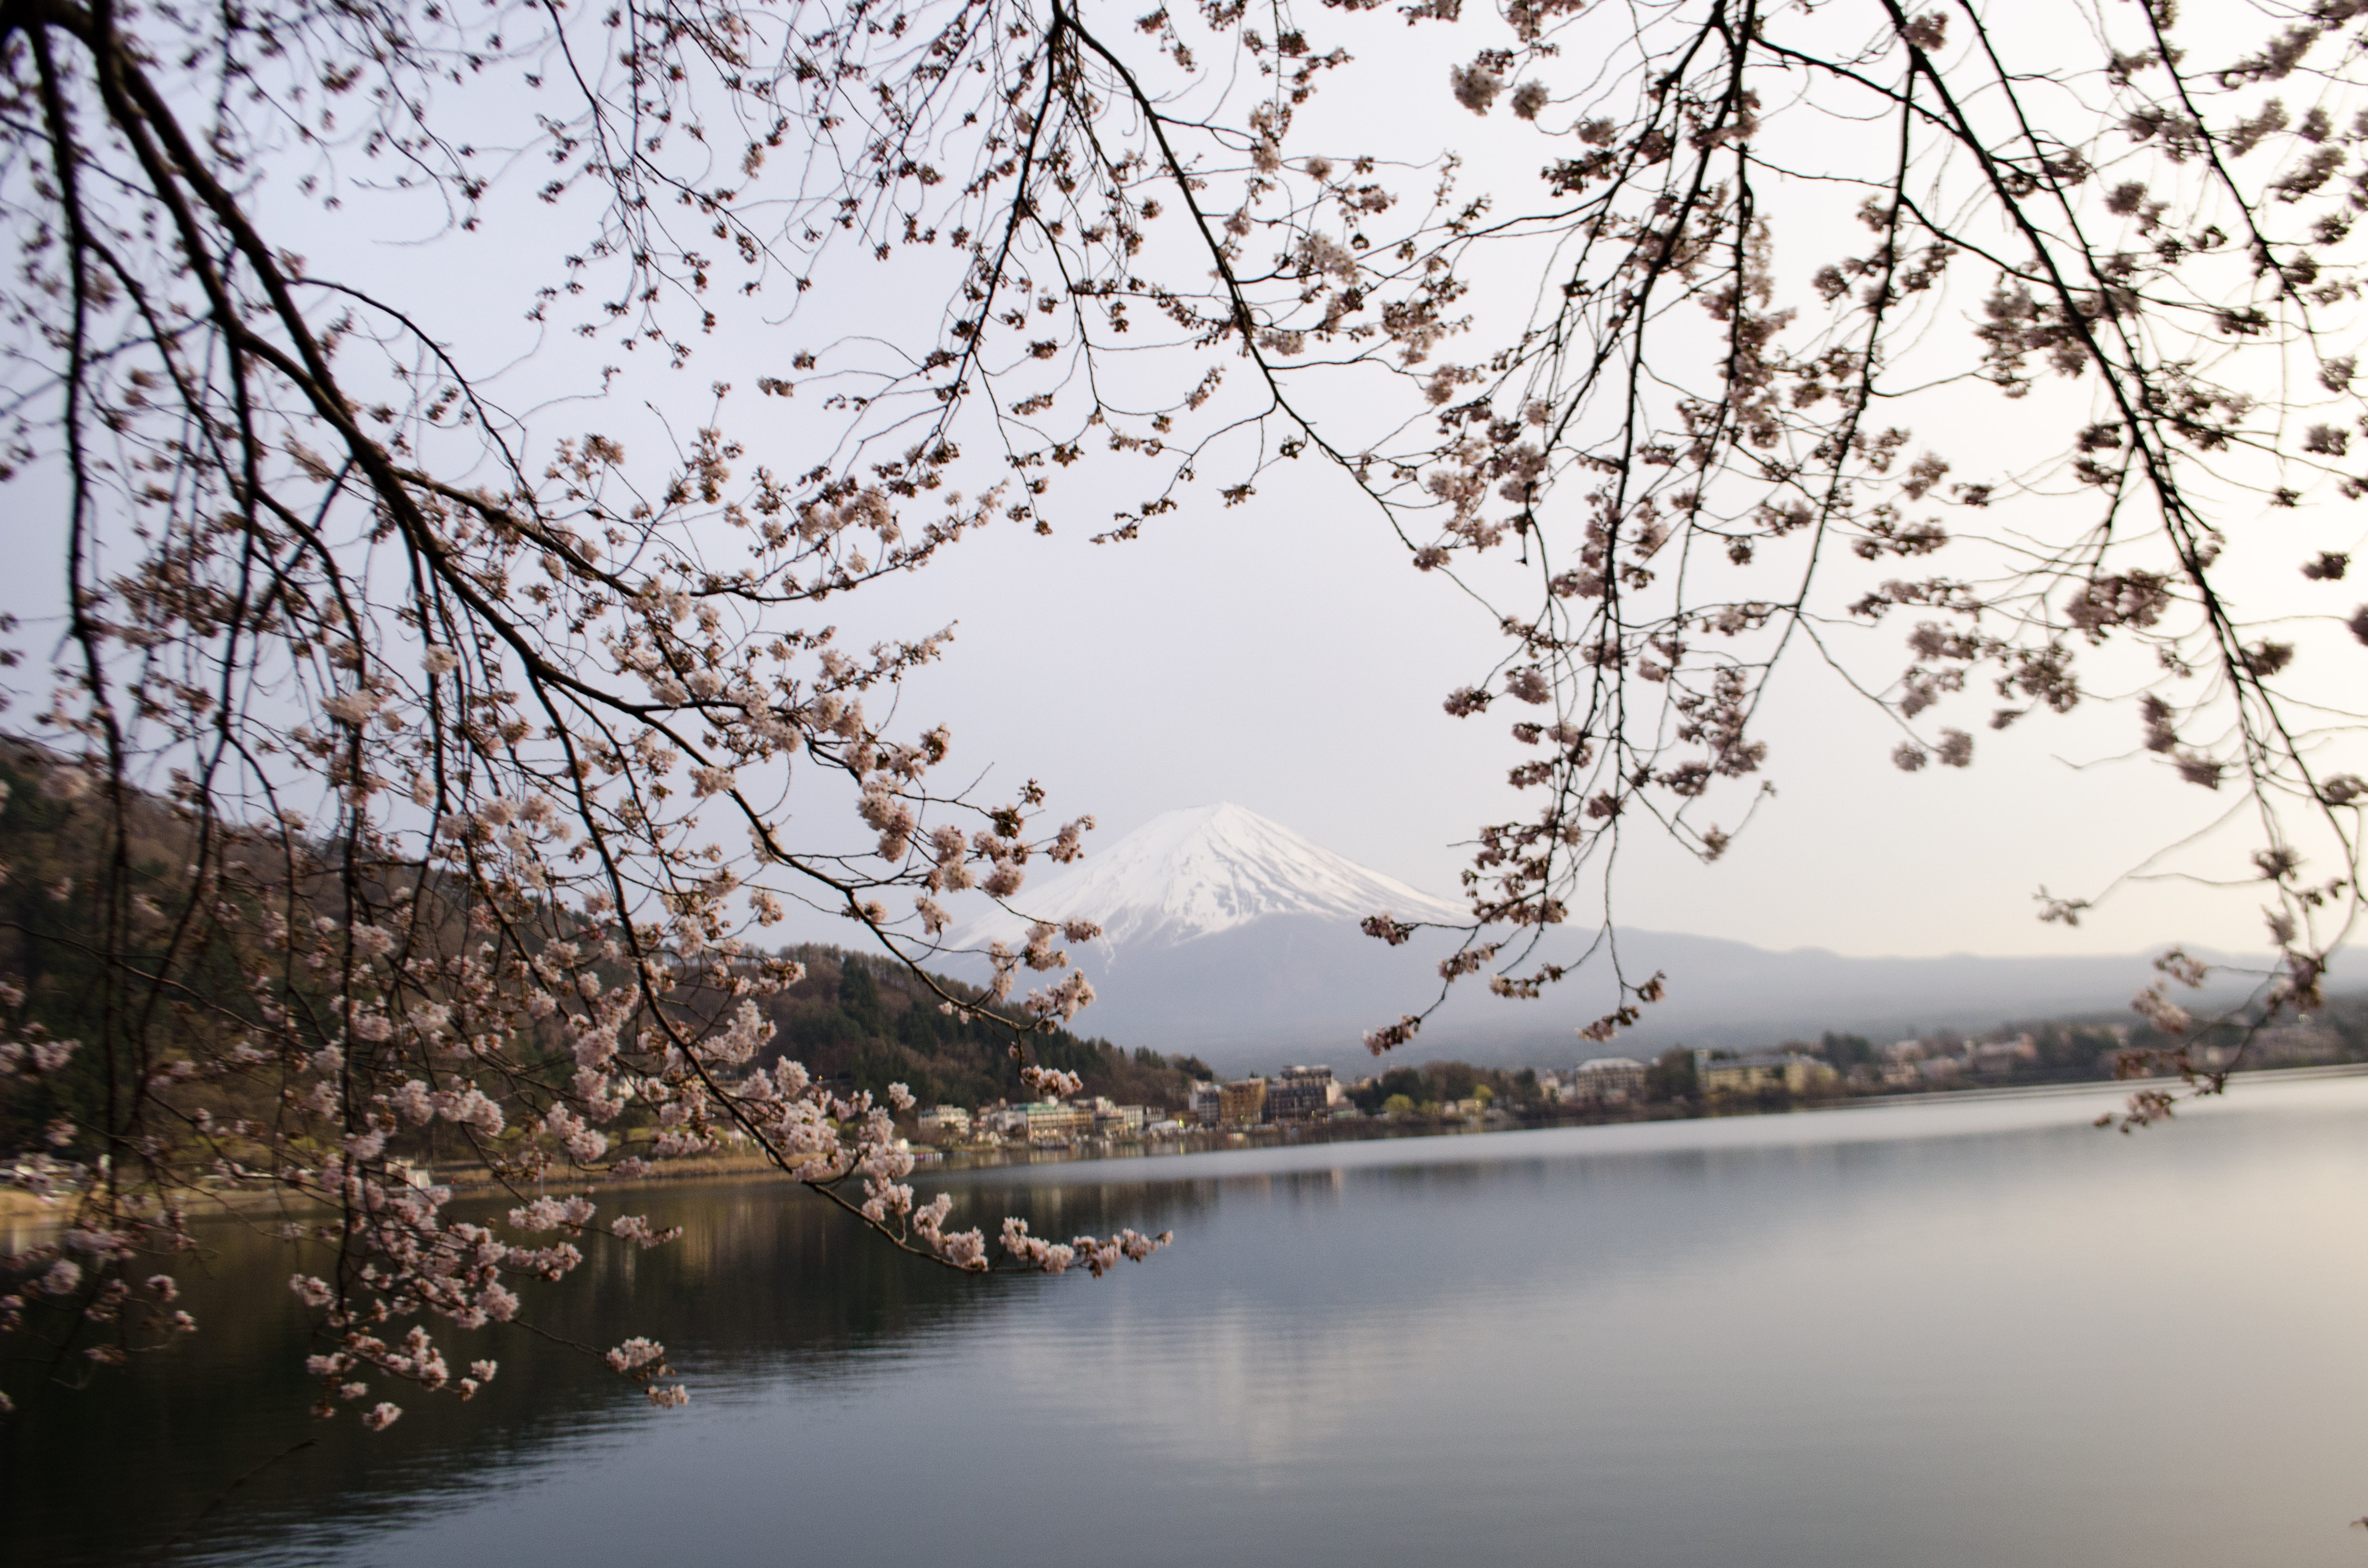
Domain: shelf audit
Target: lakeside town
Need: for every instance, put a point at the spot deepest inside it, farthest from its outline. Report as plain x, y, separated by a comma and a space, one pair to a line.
863, 1024
1678, 1083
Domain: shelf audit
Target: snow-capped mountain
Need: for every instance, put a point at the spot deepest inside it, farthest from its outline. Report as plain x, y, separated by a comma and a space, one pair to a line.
1226, 935
1234, 939
1202, 871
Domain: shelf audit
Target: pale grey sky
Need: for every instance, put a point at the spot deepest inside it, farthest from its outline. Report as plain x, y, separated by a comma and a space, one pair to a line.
1286, 657
1285, 654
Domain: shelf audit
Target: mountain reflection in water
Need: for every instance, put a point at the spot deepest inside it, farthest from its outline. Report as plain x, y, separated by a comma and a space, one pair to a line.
1954, 1334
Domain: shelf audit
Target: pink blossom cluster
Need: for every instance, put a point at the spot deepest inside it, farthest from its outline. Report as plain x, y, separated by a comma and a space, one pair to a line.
1037, 1255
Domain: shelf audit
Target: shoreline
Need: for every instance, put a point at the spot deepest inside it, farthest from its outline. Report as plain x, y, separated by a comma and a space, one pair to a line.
21, 1208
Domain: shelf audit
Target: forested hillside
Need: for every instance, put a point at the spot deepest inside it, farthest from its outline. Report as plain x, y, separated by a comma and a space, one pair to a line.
49, 847
868, 1022
864, 1022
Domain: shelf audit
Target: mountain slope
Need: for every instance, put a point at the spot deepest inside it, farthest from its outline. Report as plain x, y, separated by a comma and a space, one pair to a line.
1236, 940
1194, 873
1298, 988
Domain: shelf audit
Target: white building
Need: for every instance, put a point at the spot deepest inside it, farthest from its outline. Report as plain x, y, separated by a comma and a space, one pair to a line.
1205, 1103
1055, 1123
2002, 1055
945, 1122
1607, 1080
1301, 1093
1116, 1119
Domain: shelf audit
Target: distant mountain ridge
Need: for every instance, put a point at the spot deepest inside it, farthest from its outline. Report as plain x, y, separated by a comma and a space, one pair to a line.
1232, 938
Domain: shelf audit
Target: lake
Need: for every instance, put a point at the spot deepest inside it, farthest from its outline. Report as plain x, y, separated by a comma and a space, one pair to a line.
1963, 1332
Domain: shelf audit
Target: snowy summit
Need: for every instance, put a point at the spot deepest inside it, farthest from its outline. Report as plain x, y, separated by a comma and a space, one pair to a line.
1205, 869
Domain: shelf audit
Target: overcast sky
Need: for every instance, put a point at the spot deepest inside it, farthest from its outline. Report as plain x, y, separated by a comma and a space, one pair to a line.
1285, 655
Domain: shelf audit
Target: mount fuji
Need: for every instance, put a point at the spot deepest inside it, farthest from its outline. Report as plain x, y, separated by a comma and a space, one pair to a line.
1188, 875
1231, 938
1228, 935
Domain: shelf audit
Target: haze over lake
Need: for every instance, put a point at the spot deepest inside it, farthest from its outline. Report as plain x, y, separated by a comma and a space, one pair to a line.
1973, 1332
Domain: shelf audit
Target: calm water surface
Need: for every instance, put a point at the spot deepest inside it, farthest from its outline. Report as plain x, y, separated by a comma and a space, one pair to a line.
1937, 1334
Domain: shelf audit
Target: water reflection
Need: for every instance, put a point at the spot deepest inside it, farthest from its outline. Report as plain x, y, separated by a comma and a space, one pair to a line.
1977, 1334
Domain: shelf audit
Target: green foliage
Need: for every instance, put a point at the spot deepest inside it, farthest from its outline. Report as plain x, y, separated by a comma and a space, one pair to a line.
1672, 1077
864, 1023
1191, 1066
2076, 1052
1398, 1083
50, 927
1846, 1051
1450, 1080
